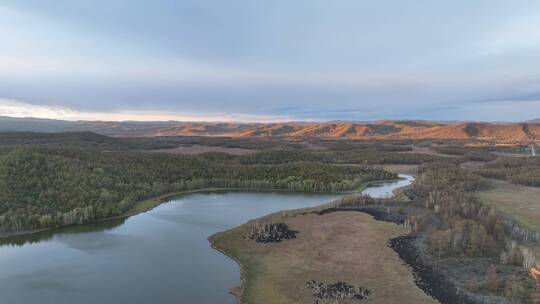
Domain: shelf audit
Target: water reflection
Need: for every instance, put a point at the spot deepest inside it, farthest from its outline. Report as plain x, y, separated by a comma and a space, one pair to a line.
161, 256
47, 235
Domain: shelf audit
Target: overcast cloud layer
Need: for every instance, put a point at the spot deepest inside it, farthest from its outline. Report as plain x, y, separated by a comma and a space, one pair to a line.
270, 60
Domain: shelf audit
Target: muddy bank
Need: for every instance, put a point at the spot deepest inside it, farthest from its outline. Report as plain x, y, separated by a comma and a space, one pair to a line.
437, 278
381, 213
426, 277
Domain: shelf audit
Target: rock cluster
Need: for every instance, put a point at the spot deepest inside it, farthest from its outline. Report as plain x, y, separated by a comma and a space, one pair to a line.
271, 233
336, 293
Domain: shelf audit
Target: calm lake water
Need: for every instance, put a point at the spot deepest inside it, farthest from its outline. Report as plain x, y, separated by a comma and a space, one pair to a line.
161, 256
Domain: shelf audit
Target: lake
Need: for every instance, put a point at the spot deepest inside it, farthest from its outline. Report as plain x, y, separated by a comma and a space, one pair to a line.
160, 256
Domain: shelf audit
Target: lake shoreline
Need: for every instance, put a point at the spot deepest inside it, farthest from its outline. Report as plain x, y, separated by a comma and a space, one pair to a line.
114, 255
238, 291
151, 203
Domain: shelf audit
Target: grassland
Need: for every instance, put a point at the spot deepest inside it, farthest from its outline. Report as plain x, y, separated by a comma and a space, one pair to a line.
339, 246
520, 203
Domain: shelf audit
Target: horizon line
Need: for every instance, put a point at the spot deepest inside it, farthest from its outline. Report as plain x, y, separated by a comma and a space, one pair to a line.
313, 121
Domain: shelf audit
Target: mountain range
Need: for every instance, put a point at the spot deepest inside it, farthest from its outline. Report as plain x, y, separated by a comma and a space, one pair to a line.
512, 133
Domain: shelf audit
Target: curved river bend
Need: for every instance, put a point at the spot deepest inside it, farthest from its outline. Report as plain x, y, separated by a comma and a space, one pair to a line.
161, 256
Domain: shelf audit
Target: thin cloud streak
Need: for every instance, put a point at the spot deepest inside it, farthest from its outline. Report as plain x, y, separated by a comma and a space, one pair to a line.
14, 108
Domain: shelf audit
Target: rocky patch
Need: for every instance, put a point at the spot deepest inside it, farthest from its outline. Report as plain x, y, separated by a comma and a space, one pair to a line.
336, 293
271, 233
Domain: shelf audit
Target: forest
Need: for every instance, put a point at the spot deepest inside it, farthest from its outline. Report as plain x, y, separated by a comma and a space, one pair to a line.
467, 153
85, 140
47, 187
52, 180
468, 230
519, 170
378, 154
467, 226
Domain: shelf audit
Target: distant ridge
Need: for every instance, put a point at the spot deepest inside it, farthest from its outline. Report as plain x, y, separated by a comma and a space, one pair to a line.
30, 124
511, 133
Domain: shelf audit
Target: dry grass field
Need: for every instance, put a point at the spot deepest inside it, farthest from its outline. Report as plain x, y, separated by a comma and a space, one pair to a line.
401, 169
518, 202
340, 246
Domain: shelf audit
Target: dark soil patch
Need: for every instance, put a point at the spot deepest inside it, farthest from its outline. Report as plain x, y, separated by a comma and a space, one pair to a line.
427, 278
380, 213
431, 278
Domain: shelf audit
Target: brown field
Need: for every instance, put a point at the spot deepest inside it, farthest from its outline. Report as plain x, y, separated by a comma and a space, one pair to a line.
507, 154
518, 202
197, 149
340, 246
401, 169
428, 151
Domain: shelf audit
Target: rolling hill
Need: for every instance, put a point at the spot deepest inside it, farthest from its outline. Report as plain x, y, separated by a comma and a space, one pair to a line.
510, 133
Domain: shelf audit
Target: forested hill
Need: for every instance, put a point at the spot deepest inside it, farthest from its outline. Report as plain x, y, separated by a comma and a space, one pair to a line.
46, 187
82, 140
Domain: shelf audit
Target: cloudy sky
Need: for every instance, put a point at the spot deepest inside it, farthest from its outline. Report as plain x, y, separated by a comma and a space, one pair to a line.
255, 60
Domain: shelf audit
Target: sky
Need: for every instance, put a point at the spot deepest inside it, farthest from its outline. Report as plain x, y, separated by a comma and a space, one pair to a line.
281, 60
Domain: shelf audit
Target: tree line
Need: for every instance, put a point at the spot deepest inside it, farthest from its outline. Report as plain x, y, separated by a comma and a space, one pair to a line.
378, 154
467, 153
467, 226
47, 187
518, 170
